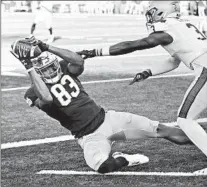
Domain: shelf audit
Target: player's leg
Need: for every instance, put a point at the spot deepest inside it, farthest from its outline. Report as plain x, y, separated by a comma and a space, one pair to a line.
132, 127
37, 19
97, 149
193, 104
173, 134
128, 126
48, 22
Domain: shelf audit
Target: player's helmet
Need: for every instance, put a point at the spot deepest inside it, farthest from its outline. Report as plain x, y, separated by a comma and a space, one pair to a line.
48, 67
158, 11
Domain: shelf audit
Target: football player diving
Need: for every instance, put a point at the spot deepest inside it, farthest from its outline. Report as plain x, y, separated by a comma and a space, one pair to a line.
57, 91
184, 42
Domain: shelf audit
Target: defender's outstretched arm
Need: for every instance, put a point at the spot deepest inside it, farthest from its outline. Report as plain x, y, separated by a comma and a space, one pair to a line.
153, 40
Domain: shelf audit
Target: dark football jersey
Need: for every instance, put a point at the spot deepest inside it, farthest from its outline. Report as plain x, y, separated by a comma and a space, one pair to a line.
71, 106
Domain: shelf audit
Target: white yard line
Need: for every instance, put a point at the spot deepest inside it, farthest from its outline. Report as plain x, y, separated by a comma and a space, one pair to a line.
56, 139
36, 142
123, 173
106, 81
14, 89
9, 73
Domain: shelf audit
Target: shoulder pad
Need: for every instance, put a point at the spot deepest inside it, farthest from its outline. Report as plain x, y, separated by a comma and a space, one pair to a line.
157, 27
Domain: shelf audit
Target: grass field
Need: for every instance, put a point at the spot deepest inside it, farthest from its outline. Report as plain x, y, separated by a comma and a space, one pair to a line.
157, 99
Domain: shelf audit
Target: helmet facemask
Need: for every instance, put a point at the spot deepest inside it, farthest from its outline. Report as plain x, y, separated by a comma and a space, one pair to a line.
48, 67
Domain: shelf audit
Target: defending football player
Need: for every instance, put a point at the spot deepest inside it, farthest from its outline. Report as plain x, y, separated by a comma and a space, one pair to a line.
183, 41
58, 92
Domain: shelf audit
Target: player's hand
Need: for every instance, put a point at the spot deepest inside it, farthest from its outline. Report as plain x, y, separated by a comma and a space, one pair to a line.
32, 40
141, 76
43, 46
87, 53
25, 49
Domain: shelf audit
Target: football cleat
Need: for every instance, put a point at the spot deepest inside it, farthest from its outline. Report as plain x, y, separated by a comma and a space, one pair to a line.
134, 159
200, 172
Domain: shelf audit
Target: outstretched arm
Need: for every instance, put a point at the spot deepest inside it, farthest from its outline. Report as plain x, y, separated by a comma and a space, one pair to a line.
153, 40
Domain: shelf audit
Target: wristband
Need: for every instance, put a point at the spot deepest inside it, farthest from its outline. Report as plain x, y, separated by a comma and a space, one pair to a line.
103, 51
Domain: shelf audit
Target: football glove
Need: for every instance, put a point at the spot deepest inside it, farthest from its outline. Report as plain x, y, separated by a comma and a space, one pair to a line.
31, 40
141, 76
43, 46
87, 53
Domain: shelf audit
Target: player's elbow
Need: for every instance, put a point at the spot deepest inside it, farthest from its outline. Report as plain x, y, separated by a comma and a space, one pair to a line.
76, 70
46, 98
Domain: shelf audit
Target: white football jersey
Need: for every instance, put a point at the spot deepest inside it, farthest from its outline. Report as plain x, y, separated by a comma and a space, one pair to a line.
188, 42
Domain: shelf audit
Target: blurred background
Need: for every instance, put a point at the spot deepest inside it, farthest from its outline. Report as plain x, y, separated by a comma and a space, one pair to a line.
100, 7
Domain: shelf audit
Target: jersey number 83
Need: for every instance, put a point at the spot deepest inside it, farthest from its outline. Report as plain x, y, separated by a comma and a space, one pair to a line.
62, 94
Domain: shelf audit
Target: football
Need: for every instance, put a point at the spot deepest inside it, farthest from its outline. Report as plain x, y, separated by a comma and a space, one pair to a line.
35, 51
23, 50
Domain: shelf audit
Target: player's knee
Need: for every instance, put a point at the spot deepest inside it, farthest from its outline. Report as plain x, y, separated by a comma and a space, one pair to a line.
112, 164
105, 167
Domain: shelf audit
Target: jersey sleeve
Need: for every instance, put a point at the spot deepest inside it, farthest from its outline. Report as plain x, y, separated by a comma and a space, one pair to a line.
30, 97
